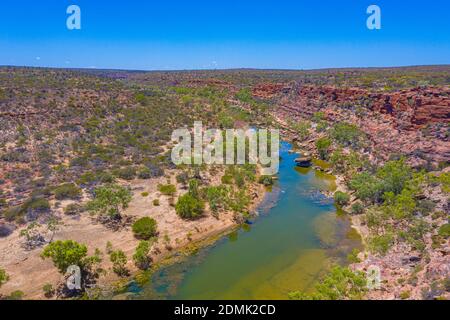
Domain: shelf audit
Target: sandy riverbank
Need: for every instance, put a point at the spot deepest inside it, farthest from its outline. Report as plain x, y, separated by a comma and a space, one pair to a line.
29, 273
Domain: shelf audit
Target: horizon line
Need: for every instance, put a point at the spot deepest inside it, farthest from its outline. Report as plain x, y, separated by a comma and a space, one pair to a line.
225, 69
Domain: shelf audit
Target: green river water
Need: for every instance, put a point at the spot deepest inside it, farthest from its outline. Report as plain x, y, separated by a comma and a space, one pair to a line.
297, 235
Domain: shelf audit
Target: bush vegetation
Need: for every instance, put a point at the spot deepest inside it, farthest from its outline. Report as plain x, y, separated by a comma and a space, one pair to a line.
340, 284
341, 198
110, 200
119, 261
189, 207
145, 228
167, 190
323, 145
141, 256
65, 254
3, 277
67, 191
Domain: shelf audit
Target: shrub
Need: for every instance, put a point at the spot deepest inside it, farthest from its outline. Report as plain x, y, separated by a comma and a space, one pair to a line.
244, 95
381, 244
227, 179
119, 261
87, 178
394, 175
105, 177
145, 194
352, 257
144, 228
67, 191
405, 295
39, 204
194, 189
65, 254
216, 198
318, 116
140, 98
189, 207
3, 277
444, 231
302, 129
156, 202
341, 198
48, 289
167, 190
323, 145
108, 200
127, 173
367, 187
444, 179
13, 213
144, 173
401, 205
16, 295
141, 258
32, 208
425, 207
73, 209
266, 180
183, 178
340, 284
357, 208
347, 134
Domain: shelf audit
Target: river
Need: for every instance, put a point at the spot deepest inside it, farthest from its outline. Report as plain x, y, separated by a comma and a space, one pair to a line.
297, 235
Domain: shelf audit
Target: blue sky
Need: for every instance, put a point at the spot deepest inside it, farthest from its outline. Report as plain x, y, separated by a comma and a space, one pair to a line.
160, 35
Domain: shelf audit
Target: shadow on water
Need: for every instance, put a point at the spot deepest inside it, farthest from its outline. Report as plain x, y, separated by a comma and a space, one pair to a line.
296, 237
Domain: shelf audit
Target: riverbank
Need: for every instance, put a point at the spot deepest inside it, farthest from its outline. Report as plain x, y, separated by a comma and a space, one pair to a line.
29, 273
408, 270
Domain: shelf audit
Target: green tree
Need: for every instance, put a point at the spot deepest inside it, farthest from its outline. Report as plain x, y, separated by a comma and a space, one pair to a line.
189, 207
401, 205
109, 200
119, 261
144, 228
367, 187
65, 254
323, 146
140, 257
216, 198
394, 175
347, 134
302, 128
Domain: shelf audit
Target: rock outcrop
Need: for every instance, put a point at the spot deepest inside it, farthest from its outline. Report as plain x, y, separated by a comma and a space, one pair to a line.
413, 122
